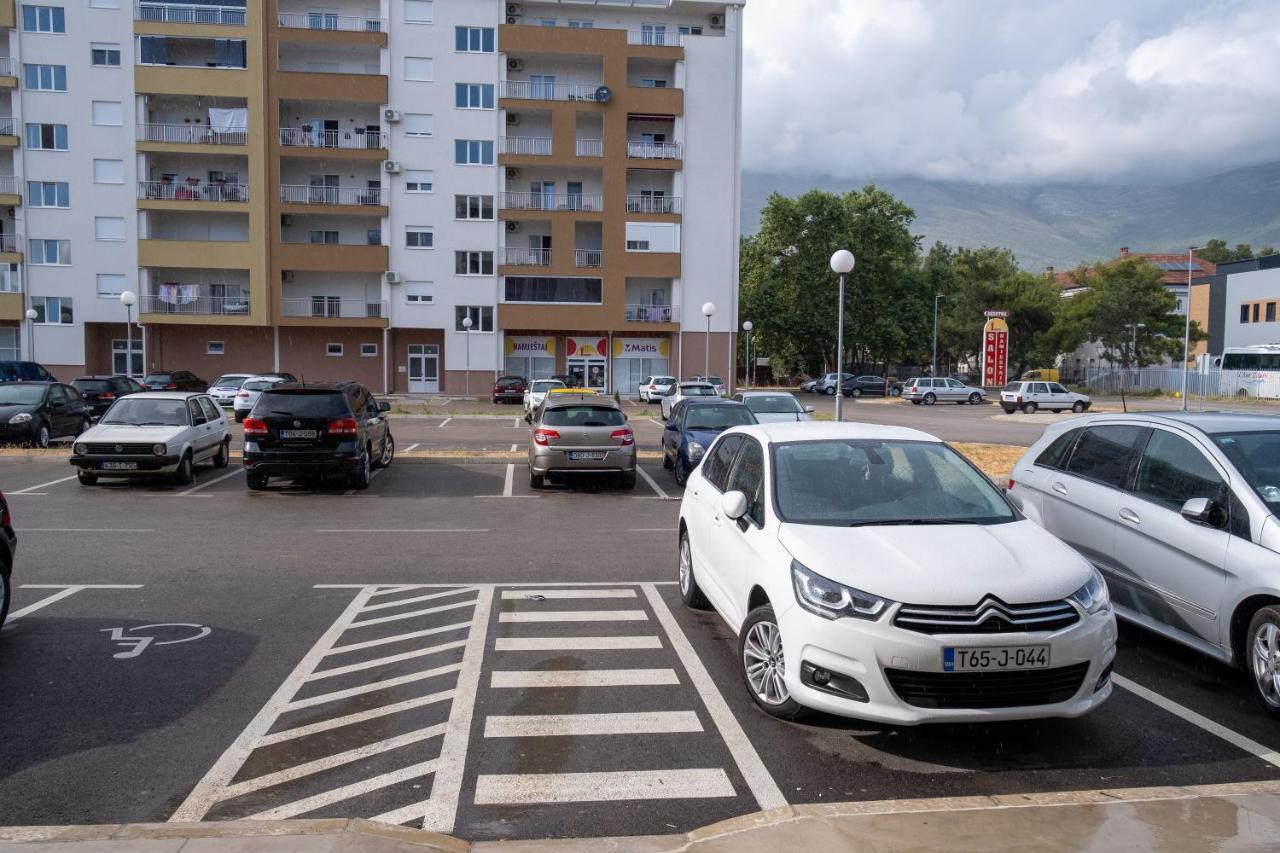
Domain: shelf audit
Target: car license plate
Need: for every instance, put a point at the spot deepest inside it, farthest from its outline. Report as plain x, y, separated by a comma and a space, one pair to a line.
575, 455
119, 466
983, 659
297, 433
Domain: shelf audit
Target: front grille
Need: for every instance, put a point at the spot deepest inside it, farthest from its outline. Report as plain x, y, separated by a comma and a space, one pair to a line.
991, 616
117, 449
1017, 689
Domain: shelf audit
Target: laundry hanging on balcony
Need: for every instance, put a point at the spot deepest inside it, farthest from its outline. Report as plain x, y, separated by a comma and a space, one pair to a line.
228, 121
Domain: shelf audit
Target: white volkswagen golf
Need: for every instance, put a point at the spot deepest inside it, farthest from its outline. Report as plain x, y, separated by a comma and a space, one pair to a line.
873, 572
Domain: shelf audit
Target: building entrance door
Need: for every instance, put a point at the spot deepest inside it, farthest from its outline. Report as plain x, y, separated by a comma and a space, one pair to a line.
424, 369
592, 373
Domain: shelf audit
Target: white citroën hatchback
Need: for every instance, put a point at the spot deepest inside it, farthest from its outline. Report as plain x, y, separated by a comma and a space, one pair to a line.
873, 572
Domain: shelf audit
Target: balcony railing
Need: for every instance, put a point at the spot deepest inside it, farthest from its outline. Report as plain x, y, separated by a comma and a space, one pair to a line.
531, 90
588, 257
590, 147
653, 204
654, 150
190, 299
327, 21
590, 203
8, 68
8, 126
10, 185
333, 307
184, 13
192, 191
192, 134
10, 279
526, 145
518, 257
658, 39
650, 314
11, 243
302, 194
301, 137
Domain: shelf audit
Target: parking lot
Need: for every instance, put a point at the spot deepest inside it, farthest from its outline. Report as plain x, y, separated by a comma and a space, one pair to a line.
451, 649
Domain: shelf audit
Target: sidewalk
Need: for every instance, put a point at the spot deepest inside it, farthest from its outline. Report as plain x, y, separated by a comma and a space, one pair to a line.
1238, 817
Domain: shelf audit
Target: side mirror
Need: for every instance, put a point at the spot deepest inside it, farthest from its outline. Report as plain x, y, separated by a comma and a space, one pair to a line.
1204, 511
734, 504
808, 410
384, 406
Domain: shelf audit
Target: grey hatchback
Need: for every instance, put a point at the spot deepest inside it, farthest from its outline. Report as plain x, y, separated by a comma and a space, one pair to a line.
581, 434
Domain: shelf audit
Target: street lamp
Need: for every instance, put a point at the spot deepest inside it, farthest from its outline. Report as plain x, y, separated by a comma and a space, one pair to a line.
128, 299
466, 328
708, 308
31, 331
1186, 333
1134, 327
933, 367
746, 327
842, 263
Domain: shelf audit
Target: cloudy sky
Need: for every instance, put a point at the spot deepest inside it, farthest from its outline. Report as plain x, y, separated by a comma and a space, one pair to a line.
1012, 91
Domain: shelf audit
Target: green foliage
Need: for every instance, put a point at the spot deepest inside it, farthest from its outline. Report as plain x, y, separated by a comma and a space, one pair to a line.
1216, 252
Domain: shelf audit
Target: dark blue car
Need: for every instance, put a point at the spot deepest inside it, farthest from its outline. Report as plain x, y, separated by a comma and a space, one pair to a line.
693, 426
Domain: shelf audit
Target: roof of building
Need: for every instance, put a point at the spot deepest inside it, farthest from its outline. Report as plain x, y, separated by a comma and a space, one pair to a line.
1174, 265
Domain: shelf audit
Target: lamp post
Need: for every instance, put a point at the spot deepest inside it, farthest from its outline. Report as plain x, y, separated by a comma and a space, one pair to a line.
1186, 333
842, 263
933, 367
128, 299
1134, 327
708, 308
31, 331
746, 327
466, 329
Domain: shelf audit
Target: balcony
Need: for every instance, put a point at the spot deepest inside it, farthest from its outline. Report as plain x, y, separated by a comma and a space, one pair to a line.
654, 150
192, 299
588, 258
8, 132
332, 307
302, 137
655, 38
305, 194
184, 13
192, 134
8, 68
11, 244
650, 314
581, 202
10, 185
517, 257
590, 148
526, 90
653, 204
331, 22
192, 190
528, 146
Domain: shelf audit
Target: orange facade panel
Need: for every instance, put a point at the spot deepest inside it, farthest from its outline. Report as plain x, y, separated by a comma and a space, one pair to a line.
315, 85
339, 258
190, 80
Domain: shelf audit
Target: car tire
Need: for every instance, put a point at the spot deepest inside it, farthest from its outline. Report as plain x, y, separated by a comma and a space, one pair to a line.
360, 479
915, 402
830, 392
1029, 408
667, 464
240, 417
975, 398
536, 481
1009, 410
388, 452
1264, 670
690, 593
223, 456
628, 480
682, 471
41, 435
762, 665
1078, 407
257, 482
930, 399
855, 393
83, 427
186, 472
87, 479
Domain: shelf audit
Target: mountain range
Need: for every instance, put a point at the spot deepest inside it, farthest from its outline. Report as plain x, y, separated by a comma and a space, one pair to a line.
1062, 225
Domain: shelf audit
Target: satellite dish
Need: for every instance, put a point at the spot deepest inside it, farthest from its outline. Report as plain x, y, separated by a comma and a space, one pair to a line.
604, 94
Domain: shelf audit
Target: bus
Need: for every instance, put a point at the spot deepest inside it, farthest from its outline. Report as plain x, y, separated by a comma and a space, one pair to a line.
1249, 371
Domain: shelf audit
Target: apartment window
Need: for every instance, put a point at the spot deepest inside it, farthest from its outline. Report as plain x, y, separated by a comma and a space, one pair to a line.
373, 237
653, 237
419, 180
215, 347
419, 237
419, 68
49, 253
653, 83
108, 228
473, 96
583, 291
103, 54
53, 310
473, 263
473, 39
546, 22
44, 78
10, 346
43, 19
1271, 312
369, 350
111, 285
108, 113
418, 124
473, 152
691, 31
419, 292
473, 207
108, 171
46, 137
48, 194
1244, 313
418, 12
481, 317
333, 349
1255, 312
323, 238
581, 25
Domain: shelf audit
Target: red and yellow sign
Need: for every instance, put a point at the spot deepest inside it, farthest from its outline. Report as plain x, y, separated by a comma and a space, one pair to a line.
586, 347
995, 352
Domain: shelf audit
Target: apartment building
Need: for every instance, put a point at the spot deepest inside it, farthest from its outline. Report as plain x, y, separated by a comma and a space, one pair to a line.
418, 194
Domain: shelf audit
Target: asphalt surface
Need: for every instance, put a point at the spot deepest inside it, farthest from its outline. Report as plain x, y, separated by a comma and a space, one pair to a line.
409, 652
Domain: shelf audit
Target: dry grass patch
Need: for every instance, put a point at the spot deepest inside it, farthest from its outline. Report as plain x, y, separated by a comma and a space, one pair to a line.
995, 460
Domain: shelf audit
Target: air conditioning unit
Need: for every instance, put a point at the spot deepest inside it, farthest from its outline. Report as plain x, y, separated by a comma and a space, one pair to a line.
512, 174
391, 167
717, 22
391, 116
513, 19
286, 219
514, 9
515, 64
286, 275
391, 277
513, 118
513, 227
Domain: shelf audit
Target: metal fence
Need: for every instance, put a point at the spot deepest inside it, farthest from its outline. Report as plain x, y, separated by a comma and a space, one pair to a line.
1263, 384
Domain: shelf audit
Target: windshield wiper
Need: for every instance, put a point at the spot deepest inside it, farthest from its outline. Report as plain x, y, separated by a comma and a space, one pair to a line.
154, 423
885, 522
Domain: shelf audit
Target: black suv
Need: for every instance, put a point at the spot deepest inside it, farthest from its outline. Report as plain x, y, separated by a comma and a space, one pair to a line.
24, 371
316, 429
175, 380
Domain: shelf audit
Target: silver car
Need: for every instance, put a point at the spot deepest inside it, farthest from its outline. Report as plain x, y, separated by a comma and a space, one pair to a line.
535, 393
771, 407
1179, 513
581, 434
929, 390
684, 390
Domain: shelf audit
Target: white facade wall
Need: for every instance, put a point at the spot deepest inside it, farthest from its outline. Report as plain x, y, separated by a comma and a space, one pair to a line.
1253, 286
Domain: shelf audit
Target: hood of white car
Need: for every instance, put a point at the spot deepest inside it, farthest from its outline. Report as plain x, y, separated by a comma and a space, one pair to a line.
1019, 562
125, 434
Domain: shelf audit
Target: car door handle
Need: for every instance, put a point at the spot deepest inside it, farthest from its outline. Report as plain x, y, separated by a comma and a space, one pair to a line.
1059, 488
1129, 515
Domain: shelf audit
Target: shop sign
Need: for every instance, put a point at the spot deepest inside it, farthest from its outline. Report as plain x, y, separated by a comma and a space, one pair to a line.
995, 352
586, 347
530, 347
641, 348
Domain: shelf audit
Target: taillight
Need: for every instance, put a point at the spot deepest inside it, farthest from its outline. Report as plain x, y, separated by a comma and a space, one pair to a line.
253, 426
106, 395
543, 436
1011, 483
623, 436
343, 426
171, 387
244, 394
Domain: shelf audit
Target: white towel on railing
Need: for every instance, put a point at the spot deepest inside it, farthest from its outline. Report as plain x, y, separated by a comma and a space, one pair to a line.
228, 121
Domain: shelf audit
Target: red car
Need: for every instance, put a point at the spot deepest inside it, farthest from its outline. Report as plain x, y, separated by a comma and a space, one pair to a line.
509, 389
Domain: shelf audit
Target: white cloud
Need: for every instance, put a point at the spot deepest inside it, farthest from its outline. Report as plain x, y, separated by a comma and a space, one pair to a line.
1009, 90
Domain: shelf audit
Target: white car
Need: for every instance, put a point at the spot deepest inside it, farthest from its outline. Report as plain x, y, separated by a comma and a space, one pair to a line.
773, 407
536, 392
1031, 396
656, 387
223, 389
684, 390
873, 572
249, 393
154, 433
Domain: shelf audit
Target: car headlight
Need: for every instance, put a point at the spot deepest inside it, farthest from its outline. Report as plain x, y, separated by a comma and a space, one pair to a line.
159, 449
696, 450
79, 450
21, 418
832, 600
1093, 597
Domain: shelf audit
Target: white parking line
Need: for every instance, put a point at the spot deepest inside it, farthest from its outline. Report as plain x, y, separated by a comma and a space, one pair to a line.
215, 480
442, 423
35, 489
509, 481
525, 679
574, 616
410, 448
514, 448
379, 532
418, 599
385, 661
66, 591
351, 719
534, 594
346, 792
323, 698
396, 617
525, 788
398, 638
570, 644
517, 423
657, 422
575, 725
84, 530
652, 483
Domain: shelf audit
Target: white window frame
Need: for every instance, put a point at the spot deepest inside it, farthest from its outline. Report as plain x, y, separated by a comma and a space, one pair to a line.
478, 325
415, 186
478, 147
44, 300
97, 233
368, 350
467, 198
418, 134
430, 69
106, 106
426, 7
64, 254
26, 139
420, 230
37, 200
577, 24
426, 294
215, 347
114, 276
478, 90
38, 9
469, 252
333, 349
40, 74
493, 37
108, 48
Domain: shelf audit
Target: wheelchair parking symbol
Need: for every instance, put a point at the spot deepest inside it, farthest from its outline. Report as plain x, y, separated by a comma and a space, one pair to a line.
138, 639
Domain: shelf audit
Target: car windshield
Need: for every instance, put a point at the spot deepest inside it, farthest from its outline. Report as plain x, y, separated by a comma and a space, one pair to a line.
157, 377
774, 404
663, 380
1257, 456
714, 380
229, 381
21, 395
583, 416
303, 404
881, 482
141, 411
542, 386
698, 391
258, 384
91, 384
508, 381
717, 418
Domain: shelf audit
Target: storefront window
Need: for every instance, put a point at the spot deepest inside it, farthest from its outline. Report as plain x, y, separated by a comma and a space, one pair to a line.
530, 368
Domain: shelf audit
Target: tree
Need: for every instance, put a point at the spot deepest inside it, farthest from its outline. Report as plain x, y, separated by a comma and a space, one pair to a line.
1216, 252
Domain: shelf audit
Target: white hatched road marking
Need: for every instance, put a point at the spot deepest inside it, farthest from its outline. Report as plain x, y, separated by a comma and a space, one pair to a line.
517, 594
348, 719
395, 617
524, 679
574, 616
398, 638
410, 448
324, 698
561, 644
206, 484
390, 659
575, 725
66, 591
36, 489
417, 599
443, 422
525, 788
653, 484
346, 792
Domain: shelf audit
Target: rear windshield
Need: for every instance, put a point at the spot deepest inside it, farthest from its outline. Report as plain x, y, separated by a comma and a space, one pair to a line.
508, 381
544, 385
698, 391
1013, 386
258, 384
91, 384
303, 404
584, 416
773, 404
157, 377
717, 417
228, 381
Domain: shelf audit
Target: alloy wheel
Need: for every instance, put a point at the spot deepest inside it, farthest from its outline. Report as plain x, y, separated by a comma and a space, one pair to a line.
764, 664
686, 565
1266, 662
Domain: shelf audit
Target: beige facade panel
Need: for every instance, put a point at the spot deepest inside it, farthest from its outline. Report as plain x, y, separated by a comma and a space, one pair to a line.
304, 85
301, 35
372, 210
174, 80
12, 307
193, 254
348, 154
188, 148
305, 256
8, 17
10, 199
